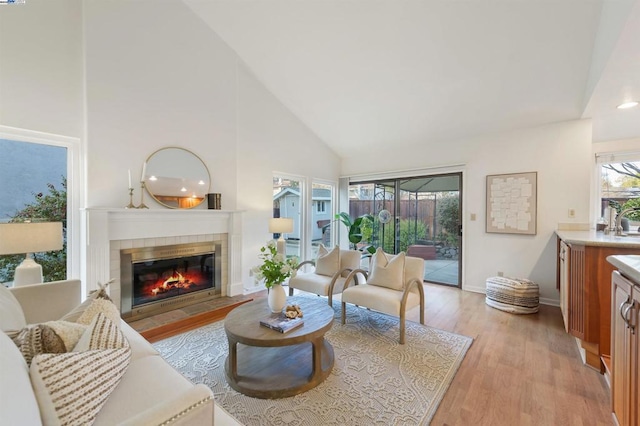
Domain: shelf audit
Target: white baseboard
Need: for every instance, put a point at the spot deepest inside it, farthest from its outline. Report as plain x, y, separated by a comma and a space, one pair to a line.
236, 289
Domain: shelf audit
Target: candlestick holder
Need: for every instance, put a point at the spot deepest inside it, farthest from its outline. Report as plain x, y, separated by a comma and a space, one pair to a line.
142, 205
130, 205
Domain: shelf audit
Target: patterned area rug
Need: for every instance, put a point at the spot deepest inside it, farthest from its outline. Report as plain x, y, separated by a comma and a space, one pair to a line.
375, 380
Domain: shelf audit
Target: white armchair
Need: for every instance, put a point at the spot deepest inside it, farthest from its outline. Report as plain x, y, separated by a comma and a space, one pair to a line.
393, 286
331, 269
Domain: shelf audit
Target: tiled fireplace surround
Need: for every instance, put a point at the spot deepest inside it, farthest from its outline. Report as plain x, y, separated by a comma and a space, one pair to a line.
110, 230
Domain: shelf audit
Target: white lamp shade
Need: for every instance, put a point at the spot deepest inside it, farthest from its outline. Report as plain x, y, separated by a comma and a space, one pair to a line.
30, 237
281, 225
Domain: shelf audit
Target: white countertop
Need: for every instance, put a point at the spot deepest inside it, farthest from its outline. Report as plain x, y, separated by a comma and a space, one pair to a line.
593, 238
629, 266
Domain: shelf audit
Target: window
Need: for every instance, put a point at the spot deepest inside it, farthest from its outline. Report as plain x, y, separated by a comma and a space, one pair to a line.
620, 186
288, 196
322, 198
34, 188
40, 175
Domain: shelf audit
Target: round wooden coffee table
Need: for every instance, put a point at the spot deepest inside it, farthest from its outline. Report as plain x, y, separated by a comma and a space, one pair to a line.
265, 363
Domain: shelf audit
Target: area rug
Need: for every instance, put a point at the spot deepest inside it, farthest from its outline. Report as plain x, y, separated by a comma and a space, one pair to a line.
375, 380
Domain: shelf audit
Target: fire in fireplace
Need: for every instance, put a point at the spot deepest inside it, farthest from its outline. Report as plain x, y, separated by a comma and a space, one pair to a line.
157, 279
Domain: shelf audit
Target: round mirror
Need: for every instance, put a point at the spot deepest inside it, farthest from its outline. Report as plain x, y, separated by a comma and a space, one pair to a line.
176, 178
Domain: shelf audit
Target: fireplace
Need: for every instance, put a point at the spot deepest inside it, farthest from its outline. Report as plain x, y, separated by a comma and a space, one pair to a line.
162, 278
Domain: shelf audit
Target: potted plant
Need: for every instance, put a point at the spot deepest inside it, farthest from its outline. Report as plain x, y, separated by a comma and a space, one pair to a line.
354, 228
274, 270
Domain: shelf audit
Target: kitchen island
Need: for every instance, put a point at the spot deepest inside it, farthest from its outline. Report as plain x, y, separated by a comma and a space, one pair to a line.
584, 282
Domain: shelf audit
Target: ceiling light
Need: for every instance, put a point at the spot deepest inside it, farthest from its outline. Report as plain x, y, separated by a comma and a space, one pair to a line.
153, 178
201, 182
183, 189
626, 105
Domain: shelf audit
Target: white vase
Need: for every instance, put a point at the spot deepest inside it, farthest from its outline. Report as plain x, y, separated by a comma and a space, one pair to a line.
277, 298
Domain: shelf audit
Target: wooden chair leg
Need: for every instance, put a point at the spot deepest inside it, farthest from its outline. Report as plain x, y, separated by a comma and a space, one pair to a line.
422, 312
344, 312
402, 327
290, 291
330, 297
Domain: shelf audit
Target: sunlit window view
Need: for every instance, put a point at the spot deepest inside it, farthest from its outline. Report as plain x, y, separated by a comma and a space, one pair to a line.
621, 190
34, 188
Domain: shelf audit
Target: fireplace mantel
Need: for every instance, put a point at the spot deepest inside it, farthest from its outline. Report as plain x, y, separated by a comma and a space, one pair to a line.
104, 228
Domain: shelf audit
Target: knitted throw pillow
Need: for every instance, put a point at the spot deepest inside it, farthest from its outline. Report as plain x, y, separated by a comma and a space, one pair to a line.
98, 306
53, 337
76, 312
387, 273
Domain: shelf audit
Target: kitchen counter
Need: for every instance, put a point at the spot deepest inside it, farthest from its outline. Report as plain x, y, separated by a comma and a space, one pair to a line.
629, 266
584, 281
598, 239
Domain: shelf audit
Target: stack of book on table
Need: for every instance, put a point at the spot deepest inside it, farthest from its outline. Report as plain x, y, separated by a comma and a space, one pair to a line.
281, 323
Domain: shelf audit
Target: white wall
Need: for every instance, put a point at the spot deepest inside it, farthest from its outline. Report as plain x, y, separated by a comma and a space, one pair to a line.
271, 139
560, 153
156, 76
41, 66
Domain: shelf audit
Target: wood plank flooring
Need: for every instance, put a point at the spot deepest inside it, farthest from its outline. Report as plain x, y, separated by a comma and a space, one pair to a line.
520, 370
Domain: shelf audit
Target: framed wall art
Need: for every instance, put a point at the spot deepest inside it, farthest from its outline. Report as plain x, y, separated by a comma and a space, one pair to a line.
512, 203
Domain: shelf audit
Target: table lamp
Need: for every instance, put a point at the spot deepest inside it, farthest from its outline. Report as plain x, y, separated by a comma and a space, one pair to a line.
281, 225
29, 237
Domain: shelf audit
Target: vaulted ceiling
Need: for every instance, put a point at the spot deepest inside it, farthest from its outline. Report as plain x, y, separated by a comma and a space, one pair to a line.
368, 73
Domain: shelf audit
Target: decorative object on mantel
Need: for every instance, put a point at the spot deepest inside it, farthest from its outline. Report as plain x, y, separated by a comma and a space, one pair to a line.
275, 269
130, 205
511, 203
214, 201
176, 178
142, 204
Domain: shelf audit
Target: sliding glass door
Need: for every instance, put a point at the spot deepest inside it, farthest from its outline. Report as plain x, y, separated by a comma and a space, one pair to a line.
418, 215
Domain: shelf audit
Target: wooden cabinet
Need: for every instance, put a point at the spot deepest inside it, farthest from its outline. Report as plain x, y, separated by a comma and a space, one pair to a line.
588, 297
625, 343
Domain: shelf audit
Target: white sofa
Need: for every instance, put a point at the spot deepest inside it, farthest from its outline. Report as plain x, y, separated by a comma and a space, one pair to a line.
151, 392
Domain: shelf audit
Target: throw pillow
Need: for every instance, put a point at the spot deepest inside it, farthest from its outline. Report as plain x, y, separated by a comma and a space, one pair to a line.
38, 339
102, 333
69, 332
96, 307
71, 388
76, 312
12, 318
328, 262
387, 272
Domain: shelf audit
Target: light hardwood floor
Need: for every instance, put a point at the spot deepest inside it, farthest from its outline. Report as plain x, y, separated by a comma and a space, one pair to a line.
520, 370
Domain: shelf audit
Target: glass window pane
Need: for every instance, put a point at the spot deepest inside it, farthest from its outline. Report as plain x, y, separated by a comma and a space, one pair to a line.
34, 178
621, 189
287, 202
322, 200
